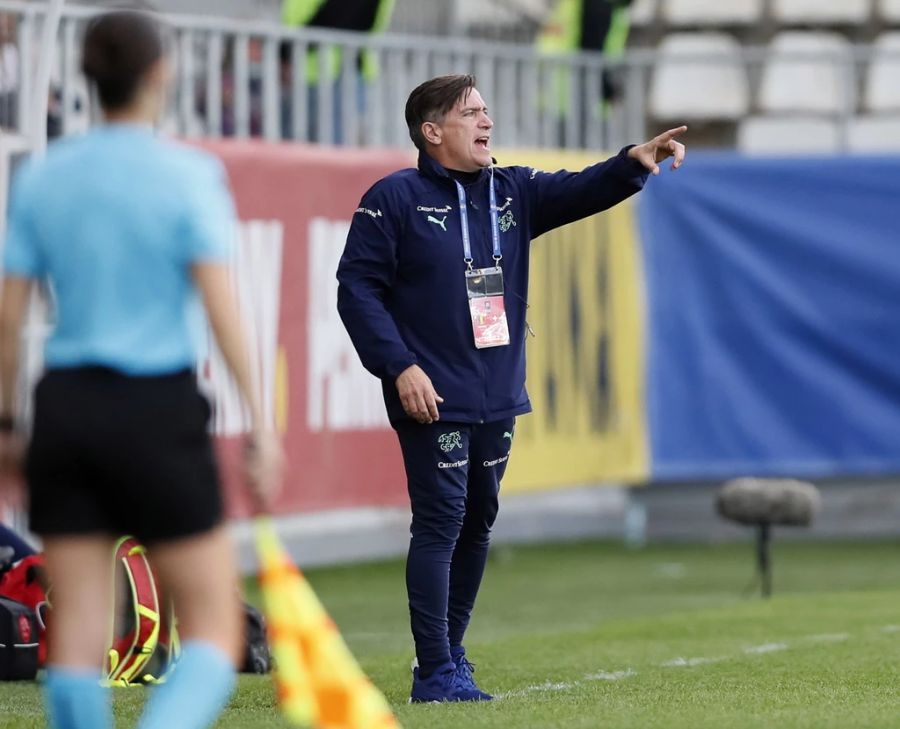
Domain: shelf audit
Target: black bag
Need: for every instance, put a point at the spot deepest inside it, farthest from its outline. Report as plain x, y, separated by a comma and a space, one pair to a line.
18, 641
257, 658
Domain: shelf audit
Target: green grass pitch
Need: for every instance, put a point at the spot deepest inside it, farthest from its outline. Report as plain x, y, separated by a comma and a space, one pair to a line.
592, 635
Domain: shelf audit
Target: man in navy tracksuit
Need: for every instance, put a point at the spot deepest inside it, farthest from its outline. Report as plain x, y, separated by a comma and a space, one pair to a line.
432, 289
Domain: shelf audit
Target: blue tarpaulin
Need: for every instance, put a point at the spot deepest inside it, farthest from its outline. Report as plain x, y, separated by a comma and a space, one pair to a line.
773, 317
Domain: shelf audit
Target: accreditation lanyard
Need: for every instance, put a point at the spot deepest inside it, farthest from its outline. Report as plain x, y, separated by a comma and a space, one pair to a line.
464, 221
484, 286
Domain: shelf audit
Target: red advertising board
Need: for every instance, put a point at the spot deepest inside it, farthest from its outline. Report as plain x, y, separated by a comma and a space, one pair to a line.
340, 450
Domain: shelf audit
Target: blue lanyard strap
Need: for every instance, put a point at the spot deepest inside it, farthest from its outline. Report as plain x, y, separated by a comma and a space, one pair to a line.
495, 223
464, 223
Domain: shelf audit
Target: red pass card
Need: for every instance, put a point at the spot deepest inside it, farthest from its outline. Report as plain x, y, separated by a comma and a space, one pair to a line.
485, 290
489, 321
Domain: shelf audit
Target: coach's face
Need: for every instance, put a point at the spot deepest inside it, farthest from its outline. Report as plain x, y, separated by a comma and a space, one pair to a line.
463, 136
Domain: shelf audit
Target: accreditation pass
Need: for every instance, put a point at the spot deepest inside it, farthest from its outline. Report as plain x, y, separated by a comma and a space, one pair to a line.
485, 289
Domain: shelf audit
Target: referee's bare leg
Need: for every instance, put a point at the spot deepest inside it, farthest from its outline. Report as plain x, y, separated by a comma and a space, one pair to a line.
80, 616
79, 567
200, 574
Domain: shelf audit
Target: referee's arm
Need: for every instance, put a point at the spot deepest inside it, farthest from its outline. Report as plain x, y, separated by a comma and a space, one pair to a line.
264, 461
22, 265
16, 290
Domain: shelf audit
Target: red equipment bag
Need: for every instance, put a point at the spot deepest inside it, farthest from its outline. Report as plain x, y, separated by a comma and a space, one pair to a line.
137, 615
26, 583
18, 641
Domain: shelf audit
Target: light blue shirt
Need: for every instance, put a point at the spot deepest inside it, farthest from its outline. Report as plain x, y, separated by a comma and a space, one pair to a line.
114, 219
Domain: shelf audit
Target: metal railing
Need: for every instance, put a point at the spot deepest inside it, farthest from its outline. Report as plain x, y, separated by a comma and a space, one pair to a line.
245, 79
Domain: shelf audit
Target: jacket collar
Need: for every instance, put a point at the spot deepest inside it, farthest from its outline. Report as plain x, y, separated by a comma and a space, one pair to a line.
429, 167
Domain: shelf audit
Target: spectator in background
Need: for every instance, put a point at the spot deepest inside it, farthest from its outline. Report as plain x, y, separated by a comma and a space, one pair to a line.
285, 90
599, 26
228, 107
9, 72
54, 113
367, 16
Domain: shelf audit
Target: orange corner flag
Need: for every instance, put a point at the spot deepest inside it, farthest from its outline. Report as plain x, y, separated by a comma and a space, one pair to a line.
319, 682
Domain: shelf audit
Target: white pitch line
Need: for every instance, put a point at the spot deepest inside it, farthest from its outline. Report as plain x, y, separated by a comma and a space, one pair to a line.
891, 629
537, 688
671, 570
681, 662
553, 686
549, 686
828, 638
611, 675
765, 648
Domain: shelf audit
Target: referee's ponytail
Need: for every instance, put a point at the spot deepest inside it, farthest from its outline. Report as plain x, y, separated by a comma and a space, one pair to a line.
119, 48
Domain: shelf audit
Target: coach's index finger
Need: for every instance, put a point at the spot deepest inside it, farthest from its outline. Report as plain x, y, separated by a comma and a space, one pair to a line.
672, 133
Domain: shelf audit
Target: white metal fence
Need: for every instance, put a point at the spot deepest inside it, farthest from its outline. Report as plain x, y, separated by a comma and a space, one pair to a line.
242, 79
237, 78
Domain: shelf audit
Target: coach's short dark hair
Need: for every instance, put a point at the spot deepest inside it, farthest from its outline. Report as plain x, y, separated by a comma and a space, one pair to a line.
431, 100
119, 48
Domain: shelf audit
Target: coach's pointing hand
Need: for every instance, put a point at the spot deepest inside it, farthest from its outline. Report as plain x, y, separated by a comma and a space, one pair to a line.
660, 148
417, 395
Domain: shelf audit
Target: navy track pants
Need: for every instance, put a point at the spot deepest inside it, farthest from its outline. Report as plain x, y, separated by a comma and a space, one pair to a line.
453, 472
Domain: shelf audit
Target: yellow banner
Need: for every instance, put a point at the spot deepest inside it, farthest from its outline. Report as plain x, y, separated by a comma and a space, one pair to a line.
586, 362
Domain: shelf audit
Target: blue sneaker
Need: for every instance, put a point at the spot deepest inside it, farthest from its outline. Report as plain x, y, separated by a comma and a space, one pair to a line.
442, 685
464, 671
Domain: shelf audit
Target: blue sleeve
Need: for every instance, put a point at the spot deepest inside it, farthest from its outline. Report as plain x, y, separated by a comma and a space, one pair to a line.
559, 198
21, 251
365, 274
209, 224
21, 548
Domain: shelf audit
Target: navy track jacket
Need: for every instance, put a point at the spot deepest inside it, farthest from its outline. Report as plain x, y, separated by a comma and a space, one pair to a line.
402, 290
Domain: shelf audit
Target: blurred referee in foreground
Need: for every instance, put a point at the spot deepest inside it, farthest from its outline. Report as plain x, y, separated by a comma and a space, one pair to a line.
128, 230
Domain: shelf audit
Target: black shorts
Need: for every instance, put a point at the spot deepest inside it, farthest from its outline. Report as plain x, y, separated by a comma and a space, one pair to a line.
118, 454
